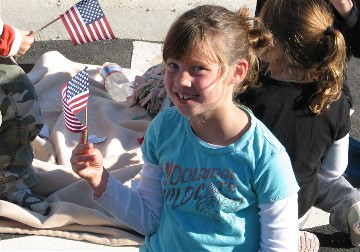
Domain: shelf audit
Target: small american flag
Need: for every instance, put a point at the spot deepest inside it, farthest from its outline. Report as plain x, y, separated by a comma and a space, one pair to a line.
75, 95
86, 22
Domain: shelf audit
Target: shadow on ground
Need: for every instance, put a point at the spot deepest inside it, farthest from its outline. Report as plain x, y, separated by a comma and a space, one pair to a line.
332, 240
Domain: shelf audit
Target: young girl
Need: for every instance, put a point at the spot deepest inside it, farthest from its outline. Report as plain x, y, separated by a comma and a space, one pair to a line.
214, 178
301, 102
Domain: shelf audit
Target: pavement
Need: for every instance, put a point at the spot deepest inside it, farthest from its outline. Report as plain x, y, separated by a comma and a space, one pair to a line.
139, 26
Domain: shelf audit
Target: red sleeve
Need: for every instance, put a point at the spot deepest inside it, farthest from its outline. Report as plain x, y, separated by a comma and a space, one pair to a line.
6, 39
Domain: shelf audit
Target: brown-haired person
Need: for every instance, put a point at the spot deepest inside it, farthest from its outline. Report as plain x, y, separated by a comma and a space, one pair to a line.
214, 178
301, 101
347, 20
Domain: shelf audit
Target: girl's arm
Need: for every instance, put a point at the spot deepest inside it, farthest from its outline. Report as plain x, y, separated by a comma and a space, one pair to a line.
344, 7
336, 160
279, 225
277, 191
138, 208
349, 11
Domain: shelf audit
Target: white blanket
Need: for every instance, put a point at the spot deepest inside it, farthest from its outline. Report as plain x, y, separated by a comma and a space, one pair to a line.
73, 214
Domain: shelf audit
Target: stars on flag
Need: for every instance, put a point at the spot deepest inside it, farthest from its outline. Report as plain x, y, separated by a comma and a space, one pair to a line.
90, 11
86, 22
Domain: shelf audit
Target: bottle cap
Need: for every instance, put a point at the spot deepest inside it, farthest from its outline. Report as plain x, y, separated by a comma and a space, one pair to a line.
110, 69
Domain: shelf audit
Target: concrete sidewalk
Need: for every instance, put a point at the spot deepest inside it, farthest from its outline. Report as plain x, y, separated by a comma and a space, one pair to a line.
129, 19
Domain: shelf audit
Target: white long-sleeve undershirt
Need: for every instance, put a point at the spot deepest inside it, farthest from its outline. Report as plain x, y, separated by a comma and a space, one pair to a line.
141, 209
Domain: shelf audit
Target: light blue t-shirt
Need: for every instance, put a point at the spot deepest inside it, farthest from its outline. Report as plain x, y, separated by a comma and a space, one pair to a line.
212, 194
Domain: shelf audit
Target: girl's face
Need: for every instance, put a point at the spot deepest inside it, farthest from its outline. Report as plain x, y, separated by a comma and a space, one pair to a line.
194, 84
271, 55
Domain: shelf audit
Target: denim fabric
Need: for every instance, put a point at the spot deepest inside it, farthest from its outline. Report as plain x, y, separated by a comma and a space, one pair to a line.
352, 172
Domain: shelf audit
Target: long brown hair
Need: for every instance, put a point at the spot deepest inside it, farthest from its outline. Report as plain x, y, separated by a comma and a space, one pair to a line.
304, 31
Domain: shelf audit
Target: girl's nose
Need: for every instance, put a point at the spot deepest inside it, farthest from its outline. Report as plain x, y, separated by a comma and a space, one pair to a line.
184, 79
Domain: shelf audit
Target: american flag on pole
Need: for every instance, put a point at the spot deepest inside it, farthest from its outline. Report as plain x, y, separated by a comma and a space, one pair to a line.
75, 95
86, 22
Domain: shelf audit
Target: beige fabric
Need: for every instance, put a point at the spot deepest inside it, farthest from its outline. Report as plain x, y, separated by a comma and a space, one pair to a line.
73, 215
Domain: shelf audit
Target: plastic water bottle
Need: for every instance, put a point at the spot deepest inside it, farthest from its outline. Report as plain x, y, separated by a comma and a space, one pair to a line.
116, 82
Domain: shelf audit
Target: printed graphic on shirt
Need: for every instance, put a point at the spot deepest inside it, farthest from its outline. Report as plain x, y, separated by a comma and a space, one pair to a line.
210, 191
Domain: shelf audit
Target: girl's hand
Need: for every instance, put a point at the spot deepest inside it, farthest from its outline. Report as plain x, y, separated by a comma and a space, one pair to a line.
344, 7
87, 162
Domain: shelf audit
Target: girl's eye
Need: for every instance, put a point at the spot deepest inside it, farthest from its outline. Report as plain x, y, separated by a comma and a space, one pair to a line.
198, 68
172, 66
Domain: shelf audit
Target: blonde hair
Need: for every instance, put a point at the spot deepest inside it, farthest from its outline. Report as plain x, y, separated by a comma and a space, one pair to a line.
304, 31
217, 32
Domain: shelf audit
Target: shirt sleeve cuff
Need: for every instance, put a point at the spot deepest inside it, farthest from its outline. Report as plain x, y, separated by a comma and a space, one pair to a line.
16, 43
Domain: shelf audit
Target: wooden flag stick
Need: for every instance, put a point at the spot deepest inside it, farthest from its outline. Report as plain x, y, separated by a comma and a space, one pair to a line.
42, 28
84, 133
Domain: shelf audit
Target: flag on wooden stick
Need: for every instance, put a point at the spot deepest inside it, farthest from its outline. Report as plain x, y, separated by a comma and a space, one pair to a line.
86, 22
75, 96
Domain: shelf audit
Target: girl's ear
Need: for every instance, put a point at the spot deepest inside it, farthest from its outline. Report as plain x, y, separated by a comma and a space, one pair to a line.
239, 71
